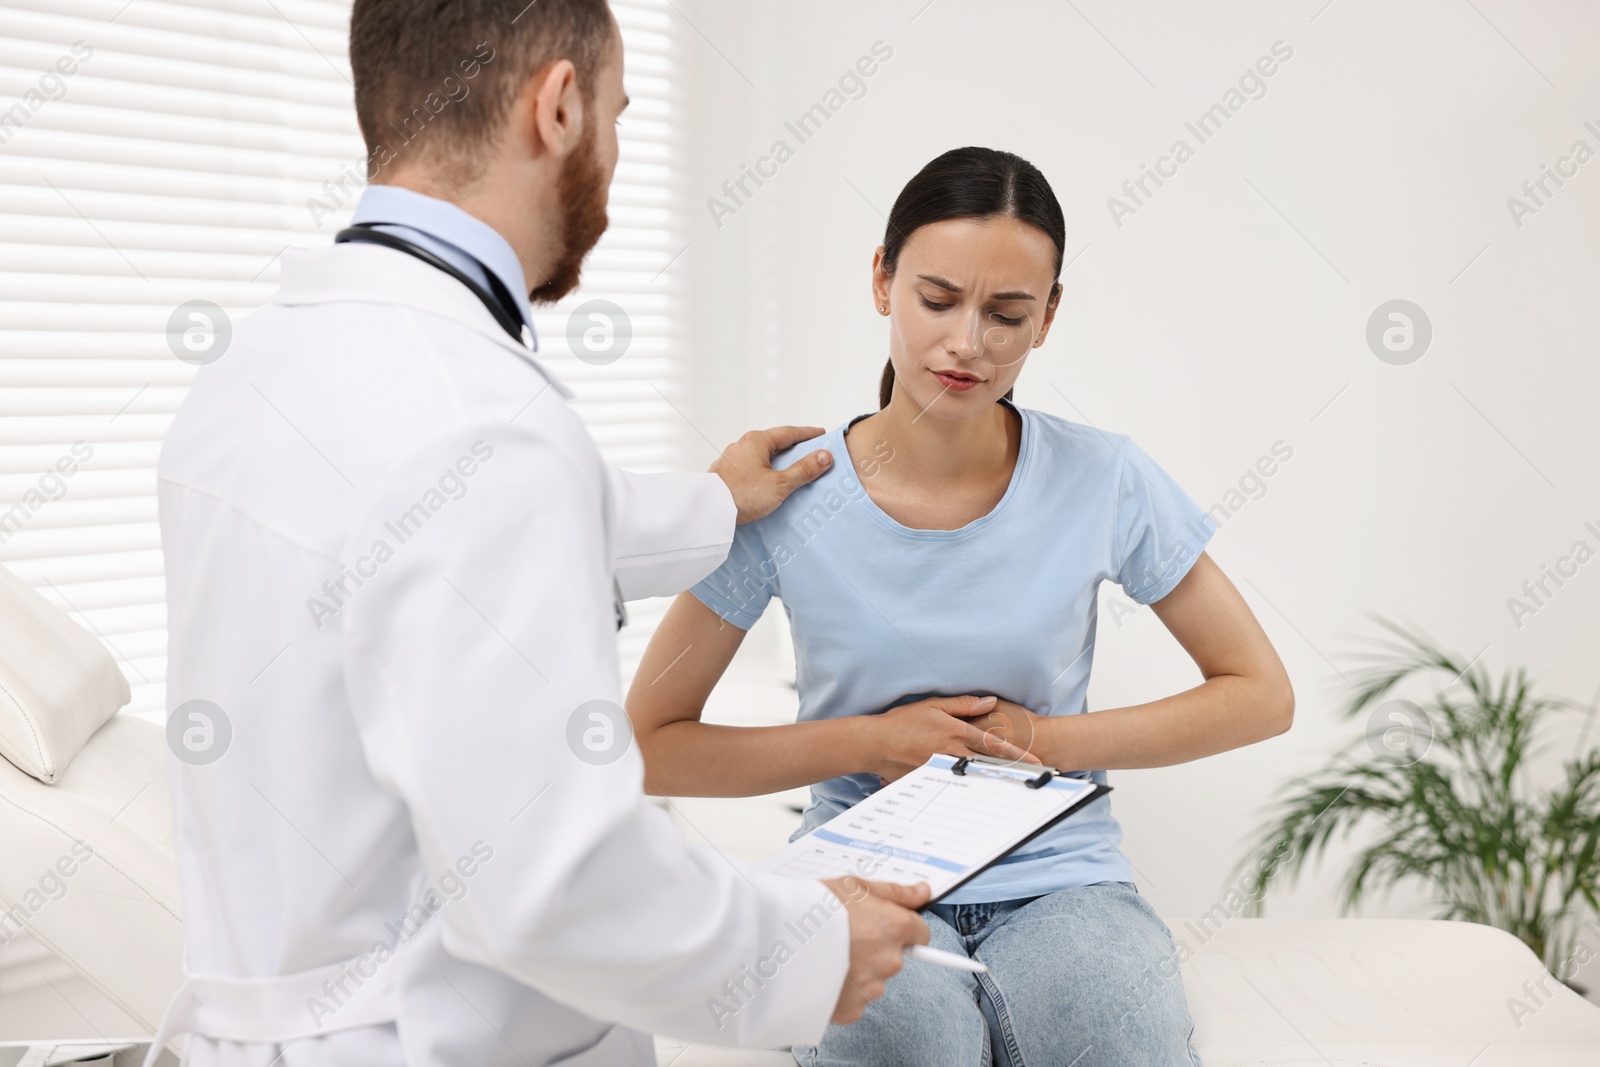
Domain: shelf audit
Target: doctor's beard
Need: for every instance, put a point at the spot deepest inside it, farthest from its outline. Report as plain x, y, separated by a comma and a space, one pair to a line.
582, 191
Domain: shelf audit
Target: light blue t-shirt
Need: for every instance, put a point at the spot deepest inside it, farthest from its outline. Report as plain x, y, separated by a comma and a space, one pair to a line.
883, 614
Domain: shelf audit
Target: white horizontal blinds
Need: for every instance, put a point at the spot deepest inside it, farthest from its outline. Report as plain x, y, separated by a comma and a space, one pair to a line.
621, 396
152, 153
163, 151
628, 400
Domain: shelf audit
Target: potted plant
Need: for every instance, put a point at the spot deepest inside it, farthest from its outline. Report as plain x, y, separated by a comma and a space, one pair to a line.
1443, 795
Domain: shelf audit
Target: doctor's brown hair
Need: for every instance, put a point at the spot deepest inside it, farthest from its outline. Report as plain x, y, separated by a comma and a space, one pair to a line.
434, 79
972, 183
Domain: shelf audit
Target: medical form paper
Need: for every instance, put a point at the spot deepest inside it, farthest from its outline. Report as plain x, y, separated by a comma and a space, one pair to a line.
937, 826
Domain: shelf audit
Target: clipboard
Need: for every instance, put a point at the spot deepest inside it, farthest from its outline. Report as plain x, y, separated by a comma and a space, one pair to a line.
945, 823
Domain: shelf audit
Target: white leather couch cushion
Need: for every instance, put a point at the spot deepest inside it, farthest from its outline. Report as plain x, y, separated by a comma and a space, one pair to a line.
87, 866
1389, 992
58, 683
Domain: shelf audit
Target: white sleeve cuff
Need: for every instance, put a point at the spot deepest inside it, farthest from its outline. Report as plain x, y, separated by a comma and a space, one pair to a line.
671, 530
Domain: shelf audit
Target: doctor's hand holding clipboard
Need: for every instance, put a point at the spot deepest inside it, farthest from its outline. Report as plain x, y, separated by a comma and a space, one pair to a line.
409, 851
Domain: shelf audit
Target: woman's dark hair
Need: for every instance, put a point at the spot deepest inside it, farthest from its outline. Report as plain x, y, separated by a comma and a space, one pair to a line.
971, 183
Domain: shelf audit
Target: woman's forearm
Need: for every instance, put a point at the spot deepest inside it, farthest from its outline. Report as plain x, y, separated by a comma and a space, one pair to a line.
1224, 712
689, 758
1246, 697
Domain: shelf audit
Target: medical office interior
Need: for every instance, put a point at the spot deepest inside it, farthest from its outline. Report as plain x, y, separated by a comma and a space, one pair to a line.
1332, 263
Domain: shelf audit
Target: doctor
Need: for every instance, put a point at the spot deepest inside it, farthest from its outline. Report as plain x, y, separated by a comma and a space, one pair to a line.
409, 819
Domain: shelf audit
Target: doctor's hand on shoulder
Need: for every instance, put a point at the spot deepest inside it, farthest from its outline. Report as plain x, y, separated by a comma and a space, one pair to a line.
746, 467
883, 923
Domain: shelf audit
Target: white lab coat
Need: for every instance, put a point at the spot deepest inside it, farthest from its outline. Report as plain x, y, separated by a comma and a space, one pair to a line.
414, 719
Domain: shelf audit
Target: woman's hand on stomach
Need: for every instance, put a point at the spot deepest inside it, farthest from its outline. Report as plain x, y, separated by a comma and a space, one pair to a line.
905, 736
1013, 723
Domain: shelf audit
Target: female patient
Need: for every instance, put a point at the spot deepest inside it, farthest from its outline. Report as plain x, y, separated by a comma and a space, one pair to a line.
958, 554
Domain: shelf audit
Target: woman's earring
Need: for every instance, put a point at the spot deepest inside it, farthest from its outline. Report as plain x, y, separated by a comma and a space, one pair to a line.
883, 309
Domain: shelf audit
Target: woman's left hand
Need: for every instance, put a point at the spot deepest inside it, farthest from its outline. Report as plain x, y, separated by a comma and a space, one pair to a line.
1011, 722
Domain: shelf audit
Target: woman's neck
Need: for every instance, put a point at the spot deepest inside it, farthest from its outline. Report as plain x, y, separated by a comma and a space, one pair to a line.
931, 453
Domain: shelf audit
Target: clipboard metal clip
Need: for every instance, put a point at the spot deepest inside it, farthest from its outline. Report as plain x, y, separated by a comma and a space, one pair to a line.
960, 768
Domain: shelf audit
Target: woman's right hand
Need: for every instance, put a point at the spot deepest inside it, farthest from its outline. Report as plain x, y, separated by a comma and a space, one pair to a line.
904, 737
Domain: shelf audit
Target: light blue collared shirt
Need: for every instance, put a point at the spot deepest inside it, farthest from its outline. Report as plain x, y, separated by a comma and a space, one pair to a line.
464, 242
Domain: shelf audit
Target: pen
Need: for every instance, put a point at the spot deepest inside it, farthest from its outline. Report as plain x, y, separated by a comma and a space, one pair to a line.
946, 959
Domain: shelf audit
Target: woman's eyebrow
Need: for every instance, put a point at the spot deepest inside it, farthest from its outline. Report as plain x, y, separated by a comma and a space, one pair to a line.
1013, 294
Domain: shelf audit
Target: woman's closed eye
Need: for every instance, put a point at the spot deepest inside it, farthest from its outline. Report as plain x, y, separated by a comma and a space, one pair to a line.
1006, 320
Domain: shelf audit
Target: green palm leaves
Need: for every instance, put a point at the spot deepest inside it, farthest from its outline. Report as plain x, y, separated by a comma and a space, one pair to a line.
1443, 793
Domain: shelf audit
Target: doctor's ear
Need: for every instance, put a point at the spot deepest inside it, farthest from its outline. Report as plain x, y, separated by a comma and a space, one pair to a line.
551, 109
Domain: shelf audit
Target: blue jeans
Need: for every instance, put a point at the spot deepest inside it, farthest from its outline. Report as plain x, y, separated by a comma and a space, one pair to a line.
1086, 977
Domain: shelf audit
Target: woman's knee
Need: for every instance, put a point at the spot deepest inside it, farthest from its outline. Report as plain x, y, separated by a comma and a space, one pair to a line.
951, 1043
928, 1016
1094, 973
1147, 1025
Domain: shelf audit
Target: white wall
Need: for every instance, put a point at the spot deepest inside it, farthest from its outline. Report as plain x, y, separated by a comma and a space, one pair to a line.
1226, 314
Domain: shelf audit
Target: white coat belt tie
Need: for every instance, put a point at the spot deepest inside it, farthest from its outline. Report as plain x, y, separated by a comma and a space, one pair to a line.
278, 1009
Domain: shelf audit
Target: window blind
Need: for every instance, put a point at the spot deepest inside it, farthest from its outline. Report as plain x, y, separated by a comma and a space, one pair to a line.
157, 152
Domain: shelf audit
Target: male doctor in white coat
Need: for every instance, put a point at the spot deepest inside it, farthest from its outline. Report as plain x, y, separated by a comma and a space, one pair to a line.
410, 826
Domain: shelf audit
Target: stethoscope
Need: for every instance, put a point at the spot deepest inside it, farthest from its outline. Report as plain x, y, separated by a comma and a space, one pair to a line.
497, 298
